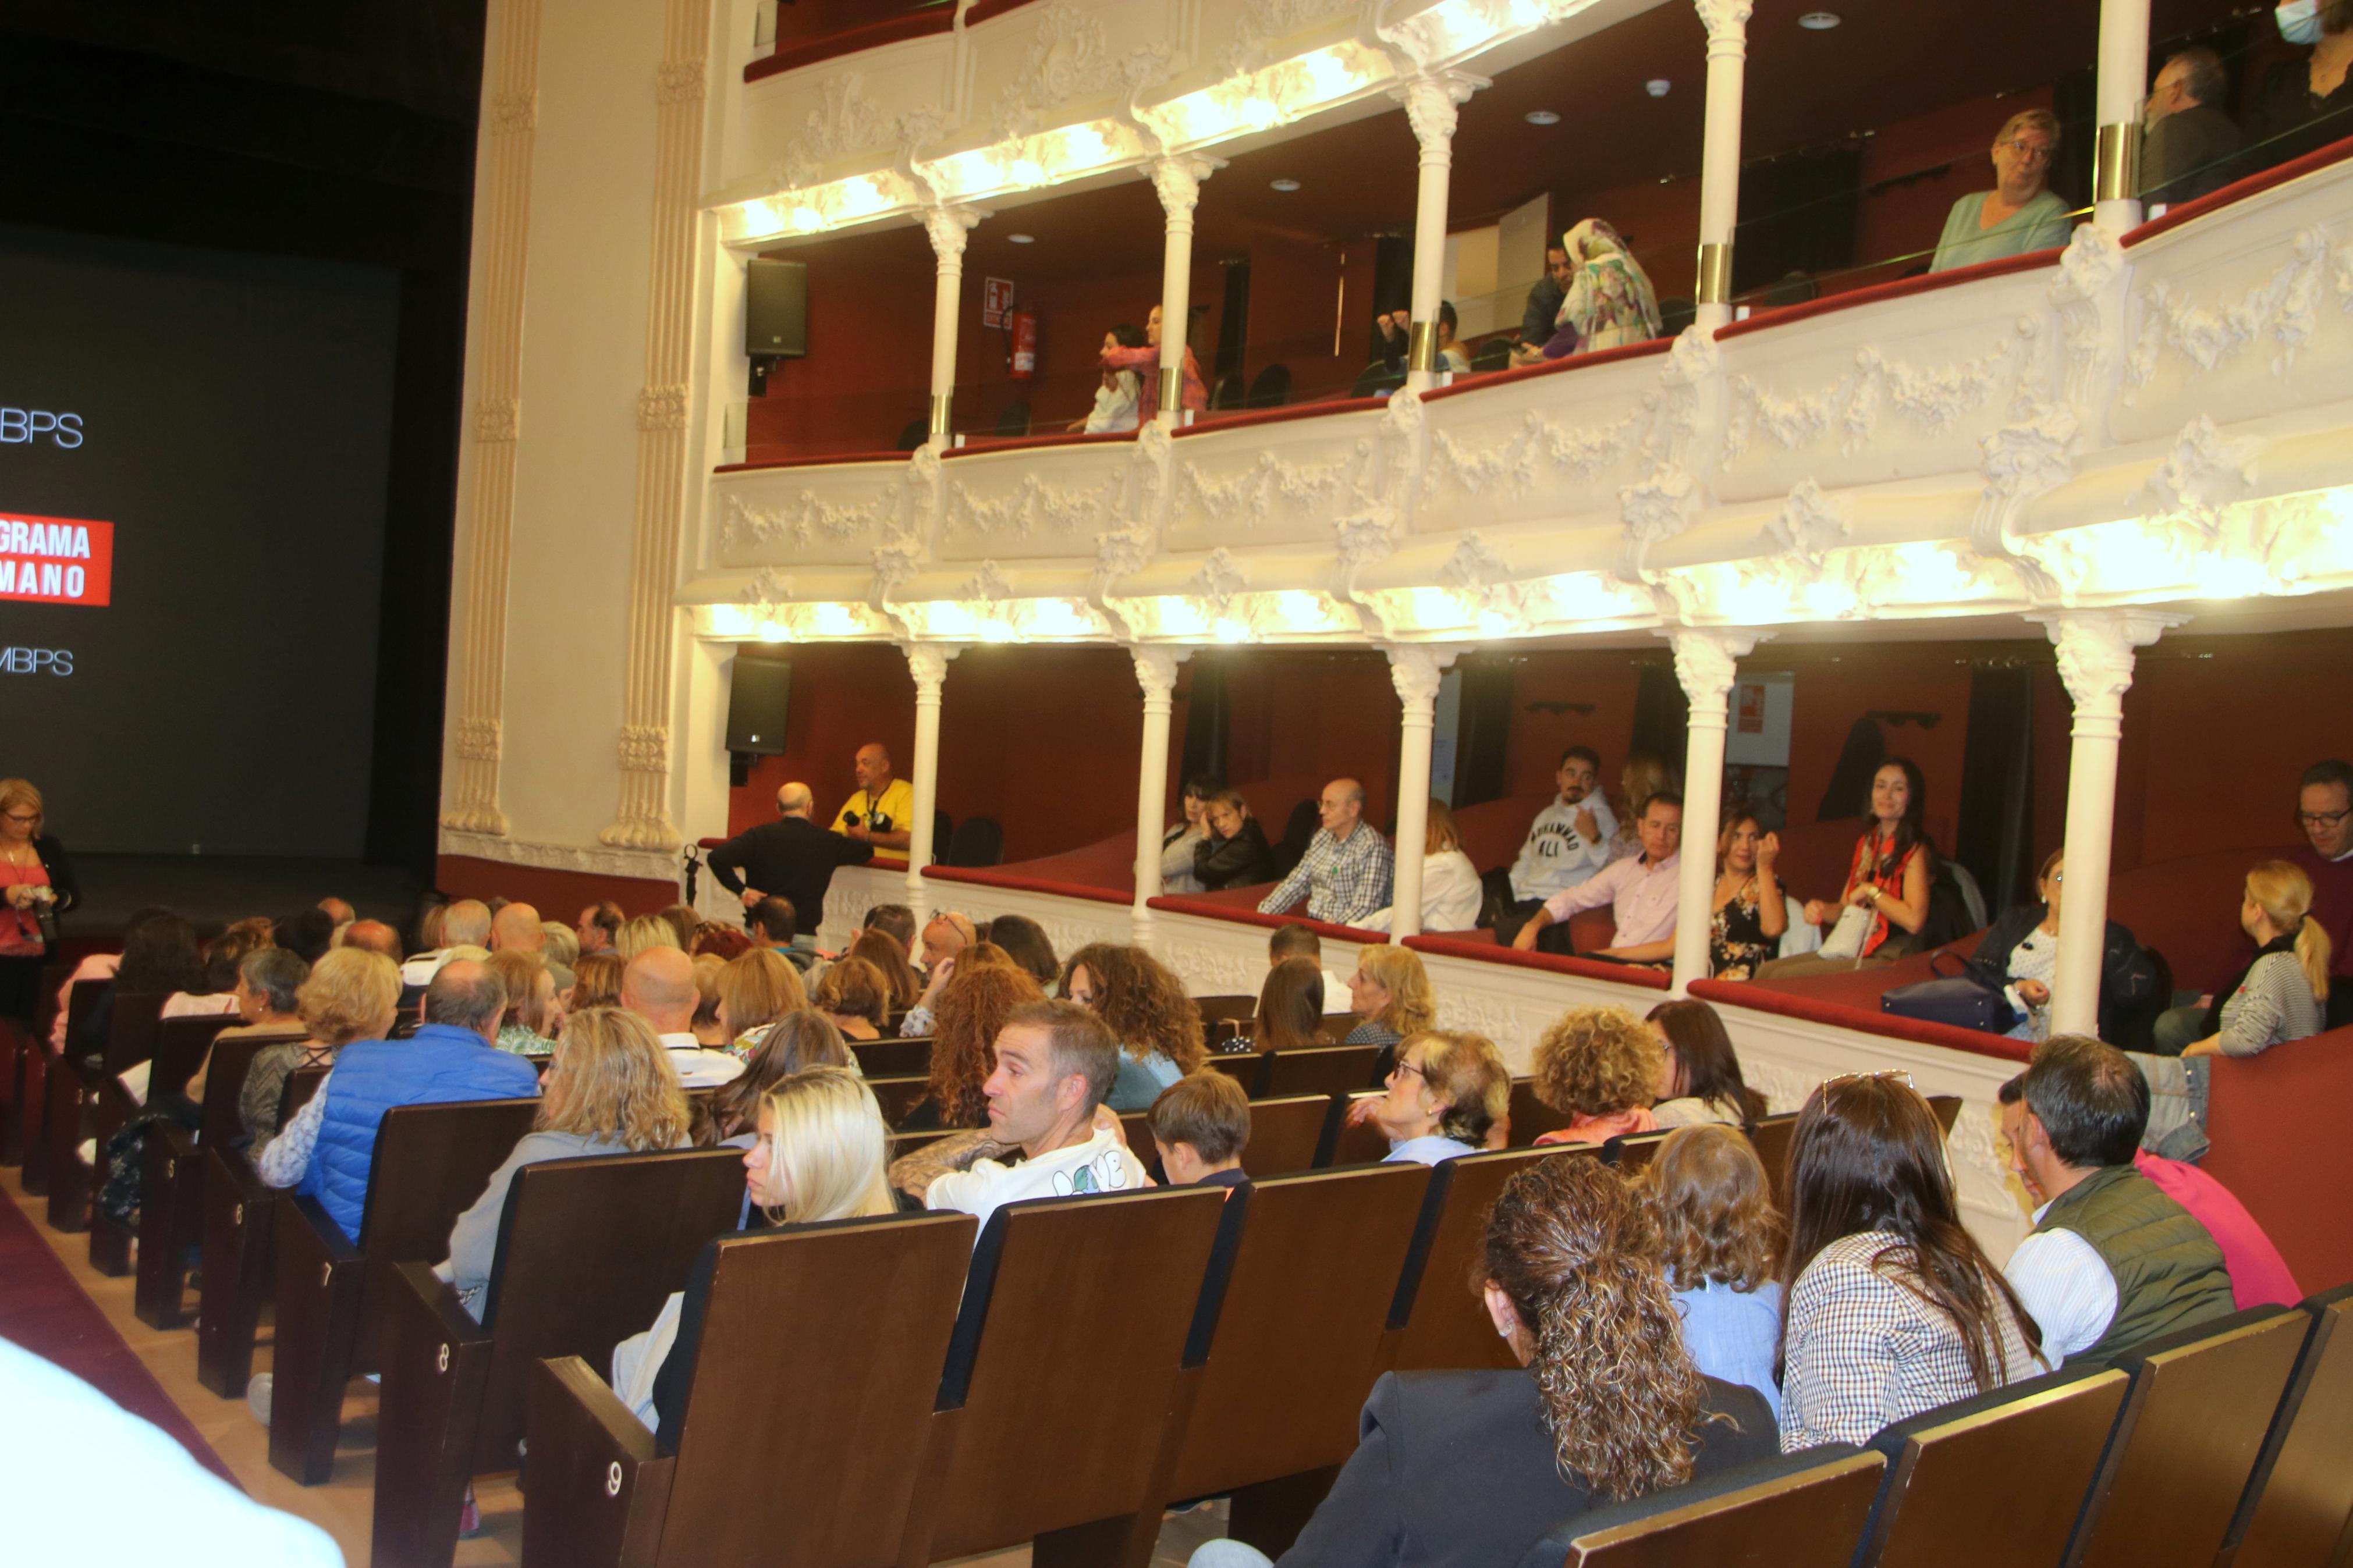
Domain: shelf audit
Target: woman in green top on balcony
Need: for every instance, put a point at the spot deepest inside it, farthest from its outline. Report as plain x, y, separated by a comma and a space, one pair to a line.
2020, 214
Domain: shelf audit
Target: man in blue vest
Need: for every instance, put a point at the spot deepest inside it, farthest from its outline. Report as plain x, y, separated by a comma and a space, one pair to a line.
327, 1148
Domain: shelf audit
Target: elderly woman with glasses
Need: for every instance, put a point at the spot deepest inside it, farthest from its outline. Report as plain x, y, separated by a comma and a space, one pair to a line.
2020, 214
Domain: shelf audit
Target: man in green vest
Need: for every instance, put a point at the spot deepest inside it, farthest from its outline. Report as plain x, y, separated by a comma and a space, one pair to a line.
2112, 1261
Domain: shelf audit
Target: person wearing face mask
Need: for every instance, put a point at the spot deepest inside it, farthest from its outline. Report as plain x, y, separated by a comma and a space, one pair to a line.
2303, 104
2189, 146
2020, 214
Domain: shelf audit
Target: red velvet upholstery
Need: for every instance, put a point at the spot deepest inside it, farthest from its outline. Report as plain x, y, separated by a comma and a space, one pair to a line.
1208, 905
2278, 1121
1863, 988
1494, 830
2189, 910
1758, 998
1490, 952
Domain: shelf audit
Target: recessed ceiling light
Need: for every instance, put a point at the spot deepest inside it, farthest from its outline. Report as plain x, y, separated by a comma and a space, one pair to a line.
1658, 86
1542, 117
1819, 21
1021, 238
1283, 185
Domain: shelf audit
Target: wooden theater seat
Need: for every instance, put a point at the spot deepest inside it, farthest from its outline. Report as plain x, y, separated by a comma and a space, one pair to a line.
1363, 1144
86, 1103
1318, 1069
2186, 1441
54, 1076
1061, 1376
180, 1046
1770, 1139
2298, 1506
1997, 1479
1217, 1010
1285, 1134
1802, 1511
431, 1161
898, 1095
1631, 1151
588, 1249
1531, 1117
1445, 1323
172, 1200
893, 1059
872, 1302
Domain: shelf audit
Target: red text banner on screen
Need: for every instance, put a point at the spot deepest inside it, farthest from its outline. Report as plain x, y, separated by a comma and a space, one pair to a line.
57, 560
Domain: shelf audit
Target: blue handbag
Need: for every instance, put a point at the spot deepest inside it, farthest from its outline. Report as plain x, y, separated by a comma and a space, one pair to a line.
1960, 1000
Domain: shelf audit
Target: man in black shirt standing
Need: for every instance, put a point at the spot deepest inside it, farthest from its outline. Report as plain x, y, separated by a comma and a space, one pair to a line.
792, 857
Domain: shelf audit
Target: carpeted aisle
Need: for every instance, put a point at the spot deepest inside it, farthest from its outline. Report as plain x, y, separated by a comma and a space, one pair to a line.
44, 1311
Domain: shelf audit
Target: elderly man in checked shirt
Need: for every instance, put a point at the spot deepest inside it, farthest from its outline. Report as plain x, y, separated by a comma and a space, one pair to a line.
1347, 870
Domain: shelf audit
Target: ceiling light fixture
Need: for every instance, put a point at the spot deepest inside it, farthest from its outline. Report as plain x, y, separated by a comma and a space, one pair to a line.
1021, 239
1542, 117
1819, 21
1658, 86
1283, 185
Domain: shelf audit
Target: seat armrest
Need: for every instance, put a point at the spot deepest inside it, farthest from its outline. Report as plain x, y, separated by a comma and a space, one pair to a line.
599, 1486
437, 1368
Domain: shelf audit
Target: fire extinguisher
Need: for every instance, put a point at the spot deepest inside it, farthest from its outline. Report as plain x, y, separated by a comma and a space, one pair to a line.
1025, 344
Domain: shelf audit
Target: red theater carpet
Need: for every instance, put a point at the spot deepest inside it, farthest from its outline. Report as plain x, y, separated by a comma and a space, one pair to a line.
44, 1311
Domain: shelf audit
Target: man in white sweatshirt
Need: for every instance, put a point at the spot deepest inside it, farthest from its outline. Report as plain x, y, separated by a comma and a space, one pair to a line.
1569, 841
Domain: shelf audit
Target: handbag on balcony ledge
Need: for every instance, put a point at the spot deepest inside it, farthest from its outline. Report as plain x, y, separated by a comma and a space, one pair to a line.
1960, 1000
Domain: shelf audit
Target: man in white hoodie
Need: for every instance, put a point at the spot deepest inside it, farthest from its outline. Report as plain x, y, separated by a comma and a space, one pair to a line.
1569, 841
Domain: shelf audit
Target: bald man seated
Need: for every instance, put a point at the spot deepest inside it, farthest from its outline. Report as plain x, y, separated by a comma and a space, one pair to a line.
464, 924
659, 987
792, 859
882, 811
518, 926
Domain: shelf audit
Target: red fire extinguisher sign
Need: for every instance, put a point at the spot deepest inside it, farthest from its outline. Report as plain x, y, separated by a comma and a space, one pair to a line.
1025, 344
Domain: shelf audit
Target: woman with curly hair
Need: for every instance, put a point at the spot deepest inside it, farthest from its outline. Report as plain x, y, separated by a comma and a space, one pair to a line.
1719, 1235
973, 1006
1157, 1025
1390, 992
1466, 1469
1599, 1067
1447, 1094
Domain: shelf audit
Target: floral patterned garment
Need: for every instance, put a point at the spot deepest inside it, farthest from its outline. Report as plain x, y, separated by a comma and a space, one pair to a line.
1736, 943
1609, 299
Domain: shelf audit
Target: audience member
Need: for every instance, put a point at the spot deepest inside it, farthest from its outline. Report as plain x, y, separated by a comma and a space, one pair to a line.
1567, 842
685, 922
1449, 883
350, 995
889, 957
2301, 106
1608, 302
1640, 892
1297, 939
600, 927
1699, 1076
897, 919
1396, 327
818, 1155
2112, 1260
2020, 952
1145, 362
160, 955
37, 885
2191, 144
1449, 1091
1145, 1006
1055, 1063
755, 989
796, 1042
609, 1091
1233, 851
308, 933
659, 987
1119, 396
466, 923
643, 933
1346, 873
327, 1149
853, 994
516, 926
532, 1015
1201, 1125
774, 926
1537, 320
1646, 773
1178, 844
267, 986
973, 1012
1390, 993
1290, 1009
215, 990
1750, 913
1887, 882
373, 936
1601, 1068
2259, 1275
1025, 943
1465, 1470
597, 982
561, 945
945, 934
793, 857
705, 968
435, 911
339, 913
881, 814
1893, 1308
1719, 1237
2020, 214
2277, 998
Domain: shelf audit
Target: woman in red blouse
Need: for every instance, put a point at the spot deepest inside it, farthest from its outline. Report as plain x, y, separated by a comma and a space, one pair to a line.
1888, 877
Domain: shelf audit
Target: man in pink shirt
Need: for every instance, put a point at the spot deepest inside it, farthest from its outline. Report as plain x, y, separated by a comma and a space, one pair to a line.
1640, 892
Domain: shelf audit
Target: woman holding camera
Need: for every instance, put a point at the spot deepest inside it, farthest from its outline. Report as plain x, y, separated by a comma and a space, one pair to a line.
37, 883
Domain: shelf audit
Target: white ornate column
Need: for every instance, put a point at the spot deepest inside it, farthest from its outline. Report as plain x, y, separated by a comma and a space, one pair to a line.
1705, 660
1719, 169
2123, 85
2095, 661
643, 821
1415, 672
503, 230
1429, 109
1177, 182
1155, 672
948, 228
928, 663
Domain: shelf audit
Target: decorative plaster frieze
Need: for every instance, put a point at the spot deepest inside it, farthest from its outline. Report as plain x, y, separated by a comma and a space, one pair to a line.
1034, 503
477, 740
1930, 398
948, 228
1255, 488
1071, 58
1432, 101
1707, 661
645, 748
845, 121
1510, 467
1810, 525
2089, 296
2021, 461
2201, 474
768, 592
1654, 510
582, 860
1123, 552
2282, 313
800, 522
1263, 22
1220, 578
987, 589
516, 113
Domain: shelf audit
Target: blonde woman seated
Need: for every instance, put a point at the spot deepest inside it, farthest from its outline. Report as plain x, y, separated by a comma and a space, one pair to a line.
1451, 891
1390, 992
1599, 1067
853, 994
611, 1090
1719, 1235
755, 989
596, 982
350, 995
820, 1153
534, 1016
1447, 1096
641, 932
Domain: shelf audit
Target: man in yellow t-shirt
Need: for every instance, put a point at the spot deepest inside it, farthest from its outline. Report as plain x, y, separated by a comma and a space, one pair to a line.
882, 811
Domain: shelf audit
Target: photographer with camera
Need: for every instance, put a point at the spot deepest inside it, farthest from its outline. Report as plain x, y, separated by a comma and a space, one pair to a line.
37, 883
882, 811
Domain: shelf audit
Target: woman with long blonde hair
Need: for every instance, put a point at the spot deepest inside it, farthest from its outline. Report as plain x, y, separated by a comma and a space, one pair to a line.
611, 1090
1390, 992
755, 989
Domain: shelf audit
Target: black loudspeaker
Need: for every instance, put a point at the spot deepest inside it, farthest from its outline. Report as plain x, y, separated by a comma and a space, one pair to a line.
776, 309
758, 700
